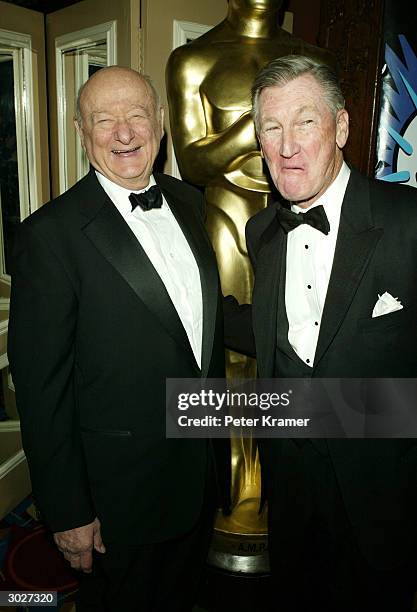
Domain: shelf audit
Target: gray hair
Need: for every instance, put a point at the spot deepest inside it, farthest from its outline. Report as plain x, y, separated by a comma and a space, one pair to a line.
282, 70
156, 99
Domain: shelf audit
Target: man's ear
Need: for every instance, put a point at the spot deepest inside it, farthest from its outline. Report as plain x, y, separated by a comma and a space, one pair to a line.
161, 120
80, 132
342, 127
258, 138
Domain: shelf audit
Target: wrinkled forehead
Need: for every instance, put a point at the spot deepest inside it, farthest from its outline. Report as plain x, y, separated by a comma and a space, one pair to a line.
301, 92
114, 90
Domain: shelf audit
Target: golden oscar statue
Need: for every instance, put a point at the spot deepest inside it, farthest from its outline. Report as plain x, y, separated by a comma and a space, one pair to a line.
208, 86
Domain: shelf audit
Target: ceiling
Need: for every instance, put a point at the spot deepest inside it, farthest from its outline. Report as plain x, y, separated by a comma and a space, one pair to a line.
44, 6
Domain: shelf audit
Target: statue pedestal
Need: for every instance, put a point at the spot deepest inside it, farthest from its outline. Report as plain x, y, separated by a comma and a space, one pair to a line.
240, 541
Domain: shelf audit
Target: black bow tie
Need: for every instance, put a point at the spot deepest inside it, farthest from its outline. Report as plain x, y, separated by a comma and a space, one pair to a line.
151, 198
316, 217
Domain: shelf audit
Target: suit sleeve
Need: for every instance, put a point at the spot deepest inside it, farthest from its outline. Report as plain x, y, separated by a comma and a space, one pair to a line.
41, 350
238, 332
238, 327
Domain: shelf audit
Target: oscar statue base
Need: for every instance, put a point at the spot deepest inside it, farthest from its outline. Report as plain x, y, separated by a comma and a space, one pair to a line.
240, 541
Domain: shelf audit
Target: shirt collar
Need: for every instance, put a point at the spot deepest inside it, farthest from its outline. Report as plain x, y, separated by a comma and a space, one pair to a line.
120, 195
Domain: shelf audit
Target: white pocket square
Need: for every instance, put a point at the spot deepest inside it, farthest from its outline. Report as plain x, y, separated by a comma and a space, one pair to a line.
386, 304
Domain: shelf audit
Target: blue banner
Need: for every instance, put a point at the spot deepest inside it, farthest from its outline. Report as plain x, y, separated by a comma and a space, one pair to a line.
397, 132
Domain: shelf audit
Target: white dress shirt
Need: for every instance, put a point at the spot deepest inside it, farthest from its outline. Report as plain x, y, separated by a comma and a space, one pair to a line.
309, 263
163, 241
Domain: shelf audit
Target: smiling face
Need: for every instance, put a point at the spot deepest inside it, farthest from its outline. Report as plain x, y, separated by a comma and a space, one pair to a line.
301, 139
120, 128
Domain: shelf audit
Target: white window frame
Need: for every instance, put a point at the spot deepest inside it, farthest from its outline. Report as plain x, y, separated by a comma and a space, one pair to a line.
19, 46
80, 39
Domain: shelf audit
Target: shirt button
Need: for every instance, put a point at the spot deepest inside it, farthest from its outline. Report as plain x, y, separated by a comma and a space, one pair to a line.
316, 322
308, 360
308, 286
306, 246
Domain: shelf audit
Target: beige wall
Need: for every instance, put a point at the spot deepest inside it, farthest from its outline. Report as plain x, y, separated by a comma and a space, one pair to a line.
157, 25
24, 21
77, 17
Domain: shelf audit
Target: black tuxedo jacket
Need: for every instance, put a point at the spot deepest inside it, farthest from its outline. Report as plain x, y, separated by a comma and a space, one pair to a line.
376, 251
93, 335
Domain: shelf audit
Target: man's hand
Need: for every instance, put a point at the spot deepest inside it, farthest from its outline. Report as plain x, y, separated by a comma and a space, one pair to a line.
77, 545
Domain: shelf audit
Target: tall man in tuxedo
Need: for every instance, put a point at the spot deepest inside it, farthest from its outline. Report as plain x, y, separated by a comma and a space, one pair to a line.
343, 513
114, 289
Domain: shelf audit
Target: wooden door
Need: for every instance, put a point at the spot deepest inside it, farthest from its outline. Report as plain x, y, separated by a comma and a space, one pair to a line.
352, 29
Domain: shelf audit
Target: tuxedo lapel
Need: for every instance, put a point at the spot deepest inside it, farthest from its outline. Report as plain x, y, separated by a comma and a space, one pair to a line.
270, 266
356, 242
187, 217
113, 238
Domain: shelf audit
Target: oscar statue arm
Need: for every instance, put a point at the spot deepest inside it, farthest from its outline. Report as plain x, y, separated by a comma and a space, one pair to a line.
202, 153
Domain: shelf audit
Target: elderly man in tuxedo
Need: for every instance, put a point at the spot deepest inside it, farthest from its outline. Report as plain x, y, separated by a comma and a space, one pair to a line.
343, 513
114, 289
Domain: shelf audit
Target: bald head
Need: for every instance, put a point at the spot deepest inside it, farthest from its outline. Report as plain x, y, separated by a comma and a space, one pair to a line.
120, 124
104, 77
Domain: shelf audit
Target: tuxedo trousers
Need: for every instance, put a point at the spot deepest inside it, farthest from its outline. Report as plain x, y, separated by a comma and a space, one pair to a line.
156, 577
315, 561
